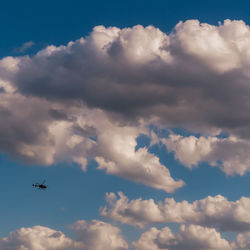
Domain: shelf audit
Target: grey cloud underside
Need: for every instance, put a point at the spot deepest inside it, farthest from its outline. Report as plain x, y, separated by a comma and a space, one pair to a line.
142, 72
192, 100
16, 127
106, 89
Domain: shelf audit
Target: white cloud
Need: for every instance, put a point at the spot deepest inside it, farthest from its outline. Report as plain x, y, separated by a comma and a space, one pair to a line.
189, 237
214, 211
115, 152
93, 235
230, 154
219, 47
99, 235
36, 238
190, 150
242, 241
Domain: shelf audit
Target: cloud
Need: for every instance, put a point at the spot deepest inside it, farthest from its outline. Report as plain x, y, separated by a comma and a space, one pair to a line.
117, 155
189, 237
214, 211
99, 235
36, 238
93, 235
230, 154
45, 132
196, 76
114, 151
242, 241
29, 131
25, 47
52, 104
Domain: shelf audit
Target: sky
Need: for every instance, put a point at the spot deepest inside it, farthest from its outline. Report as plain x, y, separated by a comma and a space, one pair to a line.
136, 116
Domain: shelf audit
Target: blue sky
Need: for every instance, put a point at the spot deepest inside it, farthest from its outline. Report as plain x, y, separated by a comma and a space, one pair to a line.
58, 22
155, 111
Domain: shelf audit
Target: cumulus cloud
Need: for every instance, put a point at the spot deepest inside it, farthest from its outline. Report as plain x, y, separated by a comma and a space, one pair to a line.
30, 131
214, 211
196, 76
117, 155
93, 235
242, 241
131, 78
230, 154
99, 235
44, 132
114, 151
36, 238
189, 237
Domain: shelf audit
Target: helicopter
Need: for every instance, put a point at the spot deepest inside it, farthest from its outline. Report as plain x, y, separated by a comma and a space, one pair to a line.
40, 185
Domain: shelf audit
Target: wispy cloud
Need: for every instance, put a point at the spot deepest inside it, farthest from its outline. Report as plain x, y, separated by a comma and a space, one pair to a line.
24, 47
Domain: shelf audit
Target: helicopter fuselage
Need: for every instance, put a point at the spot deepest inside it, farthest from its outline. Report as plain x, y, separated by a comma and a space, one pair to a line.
40, 186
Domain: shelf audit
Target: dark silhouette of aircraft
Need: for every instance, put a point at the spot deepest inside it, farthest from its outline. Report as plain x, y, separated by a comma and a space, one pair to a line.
40, 185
